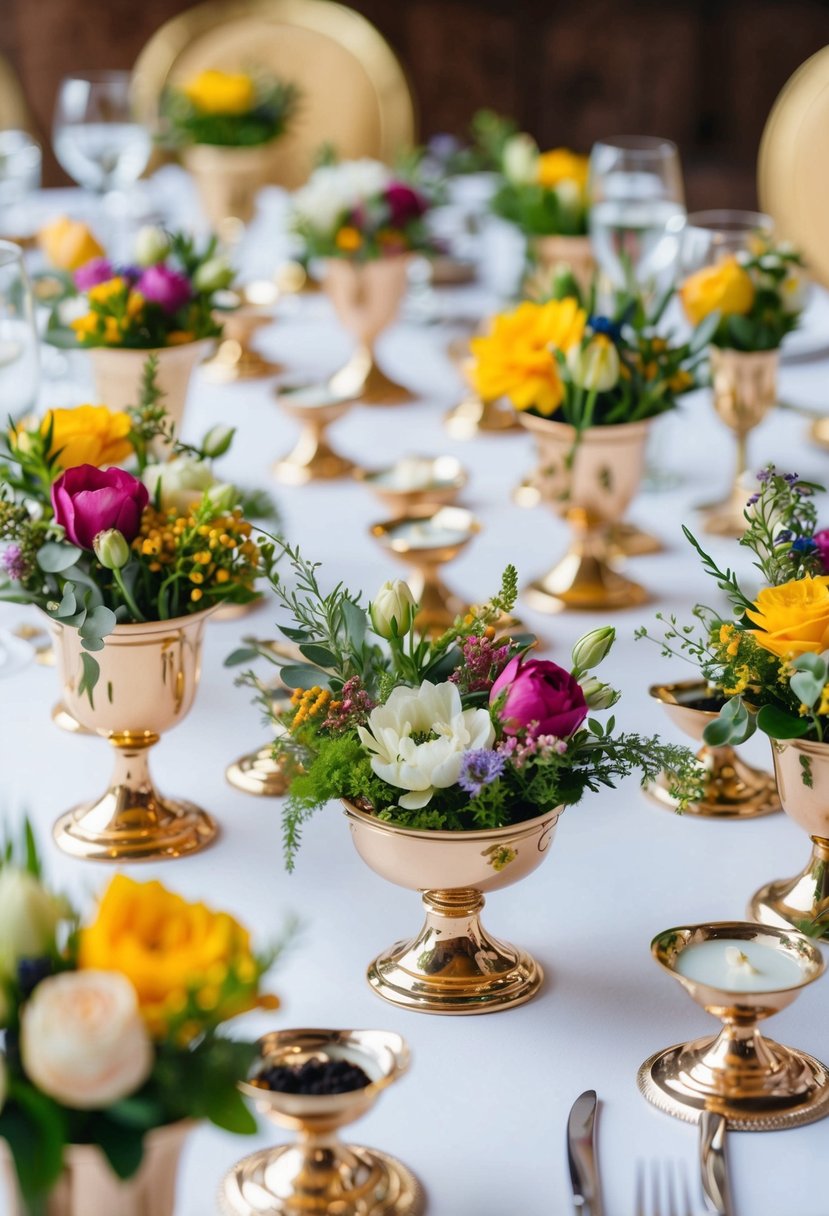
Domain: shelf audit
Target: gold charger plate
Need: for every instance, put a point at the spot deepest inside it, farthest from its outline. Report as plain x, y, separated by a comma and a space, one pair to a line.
793, 165
354, 93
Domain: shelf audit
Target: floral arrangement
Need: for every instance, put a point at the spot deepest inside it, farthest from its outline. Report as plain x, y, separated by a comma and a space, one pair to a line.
67, 244
359, 209
461, 732
542, 193
556, 357
756, 296
95, 545
169, 296
766, 662
113, 1027
228, 109
481, 151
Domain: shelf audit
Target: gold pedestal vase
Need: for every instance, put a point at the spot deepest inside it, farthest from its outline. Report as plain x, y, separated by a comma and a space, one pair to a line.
148, 678
589, 481
439, 482
472, 415
745, 389
318, 1175
312, 458
228, 180
235, 357
553, 254
757, 1084
732, 789
802, 772
87, 1186
366, 297
117, 374
453, 966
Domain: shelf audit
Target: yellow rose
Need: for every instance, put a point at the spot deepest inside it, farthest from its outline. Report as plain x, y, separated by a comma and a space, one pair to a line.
517, 358
215, 92
68, 244
724, 287
562, 165
179, 956
88, 434
793, 619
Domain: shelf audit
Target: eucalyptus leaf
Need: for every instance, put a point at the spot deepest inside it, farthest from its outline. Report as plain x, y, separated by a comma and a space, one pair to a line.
779, 725
318, 654
806, 688
297, 675
54, 557
356, 623
99, 623
815, 664
294, 635
68, 605
244, 654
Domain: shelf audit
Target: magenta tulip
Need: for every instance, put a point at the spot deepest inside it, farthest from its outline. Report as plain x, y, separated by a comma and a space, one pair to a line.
98, 270
541, 699
165, 287
87, 501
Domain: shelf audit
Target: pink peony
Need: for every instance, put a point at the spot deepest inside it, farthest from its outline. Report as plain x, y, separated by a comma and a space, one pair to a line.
165, 287
404, 204
87, 501
98, 270
541, 698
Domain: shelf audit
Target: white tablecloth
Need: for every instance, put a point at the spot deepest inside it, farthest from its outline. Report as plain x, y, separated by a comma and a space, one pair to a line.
481, 1117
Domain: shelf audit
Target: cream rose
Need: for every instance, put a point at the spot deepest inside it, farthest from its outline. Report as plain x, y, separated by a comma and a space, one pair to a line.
182, 481
82, 1039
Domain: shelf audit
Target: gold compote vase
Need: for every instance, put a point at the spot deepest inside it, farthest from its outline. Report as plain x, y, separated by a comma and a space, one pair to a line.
589, 480
366, 297
149, 673
453, 966
802, 771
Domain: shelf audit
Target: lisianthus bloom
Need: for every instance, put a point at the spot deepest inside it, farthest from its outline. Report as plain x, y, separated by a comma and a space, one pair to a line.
562, 165
517, 358
173, 952
68, 244
87, 501
725, 287
793, 618
96, 271
539, 698
404, 203
215, 92
88, 434
165, 287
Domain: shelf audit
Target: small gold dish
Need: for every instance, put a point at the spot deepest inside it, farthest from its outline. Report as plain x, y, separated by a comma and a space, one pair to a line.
757, 1084
414, 482
313, 458
259, 772
318, 1174
253, 307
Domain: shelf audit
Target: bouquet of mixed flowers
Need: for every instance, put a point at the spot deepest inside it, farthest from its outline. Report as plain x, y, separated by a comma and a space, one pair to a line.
169, 296
461, 732
113, 1027
559, 358
756, 296
766, 662
359, 209
542, 193
94, 545
228, 109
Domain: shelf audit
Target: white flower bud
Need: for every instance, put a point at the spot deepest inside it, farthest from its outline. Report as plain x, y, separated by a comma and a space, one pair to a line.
182, 482
29, 917
151, 245
111, 549
392, 609
519, 160
592, 648
217, 440
594, 366
598, 695
223, 497
213, 275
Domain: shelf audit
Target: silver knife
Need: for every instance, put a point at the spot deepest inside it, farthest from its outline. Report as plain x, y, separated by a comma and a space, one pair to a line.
712, 1162
581, 1156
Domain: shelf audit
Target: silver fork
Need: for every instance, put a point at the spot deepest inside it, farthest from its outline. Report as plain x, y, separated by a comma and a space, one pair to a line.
666, 1184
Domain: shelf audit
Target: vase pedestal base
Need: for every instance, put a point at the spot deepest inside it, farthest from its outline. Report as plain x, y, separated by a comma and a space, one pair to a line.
258, 773
726, 518
65, 720
473, 416
633, 541
362, 380
453, 966
587, 582
796, 902
732, 789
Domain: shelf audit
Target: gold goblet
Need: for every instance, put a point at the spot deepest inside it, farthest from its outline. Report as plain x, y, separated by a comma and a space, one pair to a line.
235, 358
366, 298
802, 772
259, 772
473, 415
757, 1084
148, 678
415, 482
318, 1174
590, 481
453, 966
732, 789
426, 540
313, 458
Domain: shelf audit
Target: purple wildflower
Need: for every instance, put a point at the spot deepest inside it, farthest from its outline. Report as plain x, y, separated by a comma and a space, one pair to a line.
765, 474
479, 768
352, 709
791, 478
483, 662
14, 563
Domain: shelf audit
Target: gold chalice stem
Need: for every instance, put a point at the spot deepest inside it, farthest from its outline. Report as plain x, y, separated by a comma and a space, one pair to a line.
313, 458
586, 577
438, 606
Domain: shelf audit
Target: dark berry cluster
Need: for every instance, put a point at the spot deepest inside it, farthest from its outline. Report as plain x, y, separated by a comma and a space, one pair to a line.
314, 1077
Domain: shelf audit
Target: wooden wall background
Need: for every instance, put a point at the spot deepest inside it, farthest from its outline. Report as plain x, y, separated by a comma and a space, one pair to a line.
702, 72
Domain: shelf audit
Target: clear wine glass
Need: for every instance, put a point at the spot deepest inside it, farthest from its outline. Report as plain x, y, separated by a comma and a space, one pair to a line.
19, 360
709, 236
20, 161
637, 210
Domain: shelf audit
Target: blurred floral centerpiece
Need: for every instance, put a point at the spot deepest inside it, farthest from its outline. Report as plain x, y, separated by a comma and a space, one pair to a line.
113, 1038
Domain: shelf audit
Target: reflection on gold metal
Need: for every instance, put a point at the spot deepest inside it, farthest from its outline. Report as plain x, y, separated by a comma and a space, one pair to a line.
415, 482
236, 612
235, 358
453, 966
438, 606
318, 1174
64, 720
313, 458
732, 789
745, 389
366, 297
590, 482
260, 772
472, 415
148, 679
632, 541
293, 279
756, 1083
802, 772
820, 432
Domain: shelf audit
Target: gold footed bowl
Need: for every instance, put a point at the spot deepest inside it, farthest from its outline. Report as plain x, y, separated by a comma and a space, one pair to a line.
745, 389
590, 483
313, 458
416, 483
366, 297
453, 966
802, 772
757, 1084
235, 357
319, 1175
260, 772
149, 675
732, 789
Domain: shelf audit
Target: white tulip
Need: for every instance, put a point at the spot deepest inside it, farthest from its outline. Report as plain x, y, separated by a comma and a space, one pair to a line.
392, 609
435, 713
213, 275
594, 366
29, 917
83, 1041
183, 482
519, 160
151, 245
